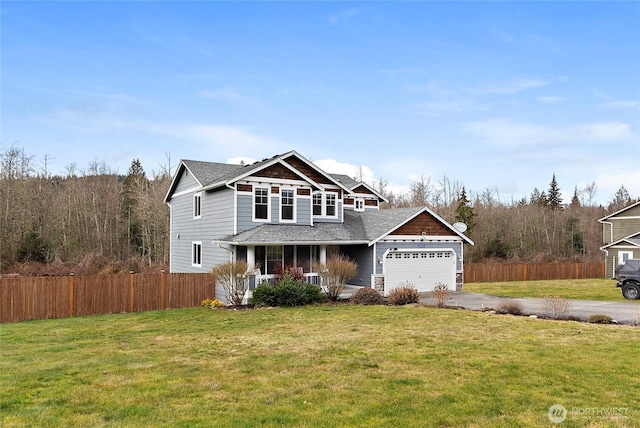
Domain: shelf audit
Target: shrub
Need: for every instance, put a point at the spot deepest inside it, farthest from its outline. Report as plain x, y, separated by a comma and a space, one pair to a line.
556, 306
367, 296
291, 271
212, 303
600, 319
234, 279
404, 295
441, 292
335, 273
287, 292
509, 306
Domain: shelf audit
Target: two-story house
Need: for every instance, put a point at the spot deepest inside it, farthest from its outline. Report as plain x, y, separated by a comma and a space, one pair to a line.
621, 236
286, 212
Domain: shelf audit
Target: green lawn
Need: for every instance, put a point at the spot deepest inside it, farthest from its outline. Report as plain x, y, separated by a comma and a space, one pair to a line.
319, 366
585, 289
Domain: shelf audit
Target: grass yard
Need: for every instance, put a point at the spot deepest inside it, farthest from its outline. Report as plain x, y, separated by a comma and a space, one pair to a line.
318, 366
584, 289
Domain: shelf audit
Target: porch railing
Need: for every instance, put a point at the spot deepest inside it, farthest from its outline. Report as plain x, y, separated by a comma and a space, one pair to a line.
309, 278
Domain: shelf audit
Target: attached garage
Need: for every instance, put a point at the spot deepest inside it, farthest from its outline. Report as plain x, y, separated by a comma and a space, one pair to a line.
421, 267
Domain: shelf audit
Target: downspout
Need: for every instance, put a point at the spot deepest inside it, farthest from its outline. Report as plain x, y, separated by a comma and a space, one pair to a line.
606, 252
230, 250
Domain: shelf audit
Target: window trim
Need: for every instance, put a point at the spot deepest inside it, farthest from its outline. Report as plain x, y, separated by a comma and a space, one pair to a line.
293, 205
314, 205
197, 205
196, 253
326, 204
267, 191
358, 204
622, 253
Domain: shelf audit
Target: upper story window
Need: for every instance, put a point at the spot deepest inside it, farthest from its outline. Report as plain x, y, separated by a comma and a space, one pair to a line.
317, 204
330, 204
197, 205
196, 253
261, 203
287, 204
359, 204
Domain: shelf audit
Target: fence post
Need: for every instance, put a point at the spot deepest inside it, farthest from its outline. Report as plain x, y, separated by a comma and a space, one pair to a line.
71, 292
131, 291
162, 304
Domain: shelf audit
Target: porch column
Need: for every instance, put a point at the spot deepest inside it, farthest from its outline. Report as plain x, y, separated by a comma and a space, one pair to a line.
251, 257
323, 254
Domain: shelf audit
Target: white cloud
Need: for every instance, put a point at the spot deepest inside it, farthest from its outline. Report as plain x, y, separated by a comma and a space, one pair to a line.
621, 104
505, 133
334, 167
609, 183
550, 99
509, 87
228, 94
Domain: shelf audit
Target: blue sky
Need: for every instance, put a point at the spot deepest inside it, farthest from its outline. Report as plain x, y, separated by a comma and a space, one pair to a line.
494, 95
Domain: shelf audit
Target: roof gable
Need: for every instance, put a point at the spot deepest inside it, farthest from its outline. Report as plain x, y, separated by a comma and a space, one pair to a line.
633, 239
422, 224
631, 210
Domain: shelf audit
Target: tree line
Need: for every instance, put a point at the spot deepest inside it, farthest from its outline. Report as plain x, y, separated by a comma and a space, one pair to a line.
96, 221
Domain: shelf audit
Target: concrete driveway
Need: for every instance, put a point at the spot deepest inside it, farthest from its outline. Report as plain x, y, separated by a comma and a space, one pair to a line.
621, 312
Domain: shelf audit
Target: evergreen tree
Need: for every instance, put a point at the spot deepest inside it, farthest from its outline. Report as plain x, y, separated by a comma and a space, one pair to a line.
134, 190
575, 200
464, 211
620, 200
538, 198
554, 201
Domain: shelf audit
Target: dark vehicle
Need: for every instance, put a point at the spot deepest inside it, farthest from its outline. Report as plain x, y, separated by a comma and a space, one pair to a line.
628, 277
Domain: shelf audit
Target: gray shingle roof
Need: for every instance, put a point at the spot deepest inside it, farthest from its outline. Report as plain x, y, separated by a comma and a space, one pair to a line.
357, 228
346, 180
211, 172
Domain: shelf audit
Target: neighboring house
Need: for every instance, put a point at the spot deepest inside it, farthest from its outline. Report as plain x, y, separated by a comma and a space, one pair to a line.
621, 236
286, 212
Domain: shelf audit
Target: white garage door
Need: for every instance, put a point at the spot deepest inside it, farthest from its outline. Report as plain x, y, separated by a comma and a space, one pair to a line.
422, 268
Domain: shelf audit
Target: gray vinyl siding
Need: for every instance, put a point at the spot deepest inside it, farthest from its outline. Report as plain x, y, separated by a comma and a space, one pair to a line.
187, 182
623, 227
245, 211
216, 221
303, 208
363, 256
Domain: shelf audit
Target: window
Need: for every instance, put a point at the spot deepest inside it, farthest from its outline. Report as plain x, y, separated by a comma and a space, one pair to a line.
317, 204
286, 204
359, 204
274, 259
261, 204
196, 254
331, 204
623, 256
197, 205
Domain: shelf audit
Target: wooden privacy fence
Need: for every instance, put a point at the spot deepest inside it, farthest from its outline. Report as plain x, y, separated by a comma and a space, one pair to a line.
31, 298
532, 272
